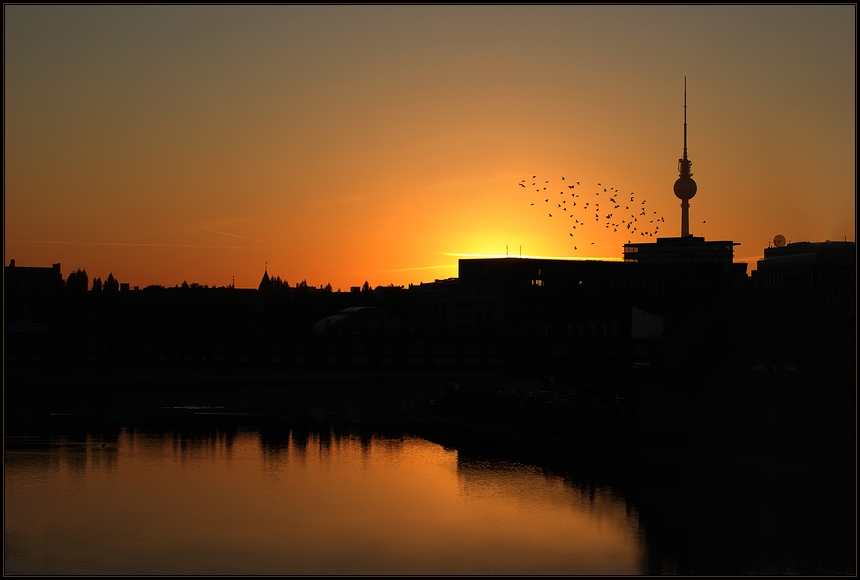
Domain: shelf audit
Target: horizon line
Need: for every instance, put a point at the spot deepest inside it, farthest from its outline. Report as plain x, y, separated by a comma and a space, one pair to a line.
527, 256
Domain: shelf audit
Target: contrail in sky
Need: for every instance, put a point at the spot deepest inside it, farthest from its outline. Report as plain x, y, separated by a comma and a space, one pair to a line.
137, 245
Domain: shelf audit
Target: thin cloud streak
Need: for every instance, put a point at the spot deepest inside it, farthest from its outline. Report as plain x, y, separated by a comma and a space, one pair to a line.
406, 269
233, 235
137, 245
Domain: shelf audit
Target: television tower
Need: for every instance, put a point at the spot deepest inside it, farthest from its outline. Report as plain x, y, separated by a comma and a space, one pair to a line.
685, 188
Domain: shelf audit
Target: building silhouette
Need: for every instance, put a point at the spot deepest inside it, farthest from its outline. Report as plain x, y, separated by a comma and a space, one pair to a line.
809, 278
22, 280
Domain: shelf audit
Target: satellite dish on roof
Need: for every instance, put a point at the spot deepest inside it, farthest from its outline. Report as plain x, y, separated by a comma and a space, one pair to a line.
779, 240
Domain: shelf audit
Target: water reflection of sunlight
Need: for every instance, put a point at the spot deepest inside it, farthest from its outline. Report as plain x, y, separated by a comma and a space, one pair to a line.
305, 501
281, 500
552, 514
522, 516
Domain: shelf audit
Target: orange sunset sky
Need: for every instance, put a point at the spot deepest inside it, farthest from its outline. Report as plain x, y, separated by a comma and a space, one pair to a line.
341, 144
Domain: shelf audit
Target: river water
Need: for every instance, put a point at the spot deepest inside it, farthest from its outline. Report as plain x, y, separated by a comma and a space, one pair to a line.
335, 500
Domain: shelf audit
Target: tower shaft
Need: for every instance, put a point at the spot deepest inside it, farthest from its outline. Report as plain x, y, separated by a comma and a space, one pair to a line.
685, 218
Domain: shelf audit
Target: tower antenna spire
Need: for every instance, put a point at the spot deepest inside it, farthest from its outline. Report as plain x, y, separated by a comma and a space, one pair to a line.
685, 118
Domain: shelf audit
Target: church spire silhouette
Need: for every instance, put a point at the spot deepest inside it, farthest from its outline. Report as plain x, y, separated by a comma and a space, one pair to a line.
265, 283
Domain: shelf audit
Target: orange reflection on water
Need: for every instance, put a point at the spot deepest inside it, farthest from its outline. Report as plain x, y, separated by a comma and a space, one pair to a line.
235, 502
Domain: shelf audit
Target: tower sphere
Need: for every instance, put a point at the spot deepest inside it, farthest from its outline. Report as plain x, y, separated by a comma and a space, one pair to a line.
685, 187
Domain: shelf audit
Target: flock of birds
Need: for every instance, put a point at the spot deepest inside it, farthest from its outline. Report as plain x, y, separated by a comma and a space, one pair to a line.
610, 208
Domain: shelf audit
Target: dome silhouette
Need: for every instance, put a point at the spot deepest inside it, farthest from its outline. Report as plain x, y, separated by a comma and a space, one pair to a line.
685, 187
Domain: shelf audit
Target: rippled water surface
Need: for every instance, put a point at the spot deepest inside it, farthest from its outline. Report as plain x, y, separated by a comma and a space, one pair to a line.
300, 502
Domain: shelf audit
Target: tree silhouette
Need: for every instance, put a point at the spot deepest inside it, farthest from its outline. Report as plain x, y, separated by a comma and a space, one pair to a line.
279, 285
111, 284
327, 288
366, 286
77, 281
97, 284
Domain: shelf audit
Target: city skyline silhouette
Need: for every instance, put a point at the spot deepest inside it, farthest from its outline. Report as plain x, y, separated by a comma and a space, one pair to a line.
343, 144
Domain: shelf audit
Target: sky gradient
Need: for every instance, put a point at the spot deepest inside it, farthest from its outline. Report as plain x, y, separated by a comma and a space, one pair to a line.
341, 144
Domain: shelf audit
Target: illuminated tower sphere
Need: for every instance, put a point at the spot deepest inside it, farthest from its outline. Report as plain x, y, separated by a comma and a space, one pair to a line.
685, 188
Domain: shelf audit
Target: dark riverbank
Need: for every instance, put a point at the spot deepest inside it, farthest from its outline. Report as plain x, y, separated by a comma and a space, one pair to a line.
764, 428
48, 403
757, 416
